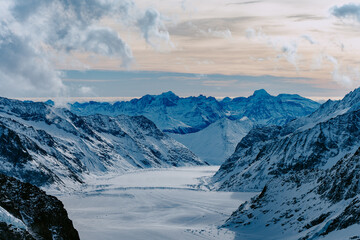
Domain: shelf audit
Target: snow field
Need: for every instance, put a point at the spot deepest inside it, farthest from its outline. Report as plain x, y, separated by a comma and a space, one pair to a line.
152, 204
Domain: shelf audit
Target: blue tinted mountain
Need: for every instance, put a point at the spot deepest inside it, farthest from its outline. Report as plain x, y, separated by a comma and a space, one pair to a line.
198, 121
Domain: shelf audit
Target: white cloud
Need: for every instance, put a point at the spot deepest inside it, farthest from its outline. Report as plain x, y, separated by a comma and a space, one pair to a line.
153, 28
309, 39
32, 31
217, 33
84, 90
286, 48
347, 77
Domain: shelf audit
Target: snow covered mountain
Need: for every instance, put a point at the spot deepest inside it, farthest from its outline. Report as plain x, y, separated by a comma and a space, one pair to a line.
264, 109
27, 213
216, 142
192, 114
317, 141
41, 144
168, 111
200, 122
305, 205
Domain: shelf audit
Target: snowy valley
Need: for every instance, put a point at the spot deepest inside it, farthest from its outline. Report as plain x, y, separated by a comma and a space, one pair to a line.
294, 174
179, 120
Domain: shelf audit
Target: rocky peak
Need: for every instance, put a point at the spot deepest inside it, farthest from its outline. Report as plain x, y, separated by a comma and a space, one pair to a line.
44, 216
169, 95
261, 93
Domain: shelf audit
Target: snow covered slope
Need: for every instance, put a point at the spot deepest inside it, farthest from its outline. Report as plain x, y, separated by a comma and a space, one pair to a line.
318, 204
41, 144
316, 141
204, 124
216, 142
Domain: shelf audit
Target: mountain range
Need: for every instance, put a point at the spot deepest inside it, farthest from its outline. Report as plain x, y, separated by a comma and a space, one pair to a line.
315, 141
44, 145
201, 121
307, 172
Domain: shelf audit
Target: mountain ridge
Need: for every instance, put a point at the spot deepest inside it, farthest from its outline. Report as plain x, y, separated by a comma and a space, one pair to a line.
187, 119
315, 141
201, 110
306, 204
42, 144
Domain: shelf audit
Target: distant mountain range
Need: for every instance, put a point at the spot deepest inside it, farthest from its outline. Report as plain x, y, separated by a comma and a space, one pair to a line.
44, 145
308, 171
199, 122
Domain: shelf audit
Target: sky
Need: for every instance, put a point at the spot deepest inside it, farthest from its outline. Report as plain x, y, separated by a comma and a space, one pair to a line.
119, 49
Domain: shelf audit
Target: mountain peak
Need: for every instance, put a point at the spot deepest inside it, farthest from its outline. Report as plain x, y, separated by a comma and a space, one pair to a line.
169, 95
261, 93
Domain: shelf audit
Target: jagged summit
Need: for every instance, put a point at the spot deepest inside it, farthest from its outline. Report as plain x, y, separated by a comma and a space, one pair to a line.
175, 114
261, 93
45, 145
190, 115
170, 95
316, 141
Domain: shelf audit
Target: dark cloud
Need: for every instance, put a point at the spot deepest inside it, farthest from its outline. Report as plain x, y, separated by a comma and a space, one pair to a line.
350, 10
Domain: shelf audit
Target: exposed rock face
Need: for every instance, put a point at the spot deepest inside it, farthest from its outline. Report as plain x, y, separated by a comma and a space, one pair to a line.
314, 142
306, 204
28, 213
43, 145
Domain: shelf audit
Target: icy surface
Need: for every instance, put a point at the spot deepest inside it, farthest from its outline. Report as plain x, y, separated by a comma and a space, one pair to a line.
153, 204
217, 142
9, 219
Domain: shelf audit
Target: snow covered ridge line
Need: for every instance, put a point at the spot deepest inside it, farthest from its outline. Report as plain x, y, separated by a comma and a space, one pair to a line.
26, 212
306, 205
174, 114
44, 145
316, 141
209, 127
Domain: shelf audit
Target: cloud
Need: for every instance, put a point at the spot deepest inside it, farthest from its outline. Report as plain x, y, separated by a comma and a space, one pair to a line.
153, 28
243, 3
348, 77
217, 33
33, 31
84, 90
286, 48
309, 39
347, 11
23, 67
